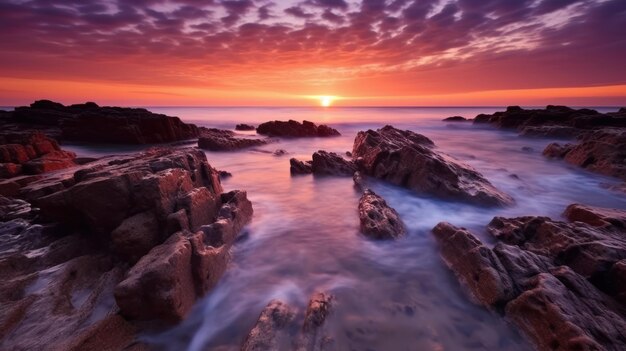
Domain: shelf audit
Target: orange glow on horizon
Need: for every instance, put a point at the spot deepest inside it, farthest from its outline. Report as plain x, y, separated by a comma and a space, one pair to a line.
25, 91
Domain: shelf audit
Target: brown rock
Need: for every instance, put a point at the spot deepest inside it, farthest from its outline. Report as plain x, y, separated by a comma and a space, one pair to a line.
225, 140
160, 285
378, 220
300, 167
295, 129
595, 216
271, 329
330, 163
136, 236
556, 150
201, 207
408, 159
475, 265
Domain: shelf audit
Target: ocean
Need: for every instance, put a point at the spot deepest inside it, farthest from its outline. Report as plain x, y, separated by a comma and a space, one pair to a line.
304, 236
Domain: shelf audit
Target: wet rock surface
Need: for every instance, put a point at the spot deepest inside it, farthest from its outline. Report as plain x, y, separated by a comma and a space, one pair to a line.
601, 136
95, 124
31, 153
410, 160
324, 163
558, 282
225, 140
295, 129
455, 119
300, 167
277, 327
97, 247
378, 220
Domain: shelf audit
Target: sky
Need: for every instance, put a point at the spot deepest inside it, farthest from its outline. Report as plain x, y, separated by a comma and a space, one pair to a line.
291, 53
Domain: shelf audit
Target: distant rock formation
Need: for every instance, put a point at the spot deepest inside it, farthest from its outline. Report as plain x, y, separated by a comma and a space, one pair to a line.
295, 129
244, 127
455, 119
225, 140
91, 123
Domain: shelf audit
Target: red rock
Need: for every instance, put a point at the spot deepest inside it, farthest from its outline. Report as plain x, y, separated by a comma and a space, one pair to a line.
475, 265
136, 235
603, 151
378, 220
595, 216
160, 286
200, 205
10, 170
408, 159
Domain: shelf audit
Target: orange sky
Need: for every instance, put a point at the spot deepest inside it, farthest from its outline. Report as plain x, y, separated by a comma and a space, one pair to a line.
366, 53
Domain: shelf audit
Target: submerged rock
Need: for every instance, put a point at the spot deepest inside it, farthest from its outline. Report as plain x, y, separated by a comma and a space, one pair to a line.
555, 281
295, 129
378, 220
244, 126
410, 160
271, 329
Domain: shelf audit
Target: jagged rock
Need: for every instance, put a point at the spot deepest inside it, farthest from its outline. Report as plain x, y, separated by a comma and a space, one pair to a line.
11, 209
166, 282
409, 159
136, 235
295, 129
312, 336
271, 329
544, 268
225, 140
378, 220
92, 123
603, 151
300, 167
556, 150
551, 131
244, 126
475, 265
31, 153
330, 163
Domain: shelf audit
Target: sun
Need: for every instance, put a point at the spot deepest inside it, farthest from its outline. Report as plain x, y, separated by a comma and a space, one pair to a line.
326, 101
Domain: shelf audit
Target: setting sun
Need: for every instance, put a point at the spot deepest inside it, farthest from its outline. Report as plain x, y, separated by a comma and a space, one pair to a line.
326, 101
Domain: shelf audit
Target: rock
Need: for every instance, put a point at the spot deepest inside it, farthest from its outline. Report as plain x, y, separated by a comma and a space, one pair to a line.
300, 167
279, 152
603, 151
136, 236
224, 174
556, 150
527, 149
295, 129
161, 285
166, 282
455, 119
11, 209
330, 163
271, 330
200, 205
378, 220
244, 126
31, 153
92, 123
595, 216
475, 265
317, 312
409, 159
551, 131
225, 140
552, 305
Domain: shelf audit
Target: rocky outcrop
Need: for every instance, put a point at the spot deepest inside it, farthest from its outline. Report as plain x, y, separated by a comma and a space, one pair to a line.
299, 167
295, 129
274, 330
225, 140
455, 119
66, 279
378, 220
31, 153
410, 160
602, 137
558, 282
244, 126
330, 163
92, 123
